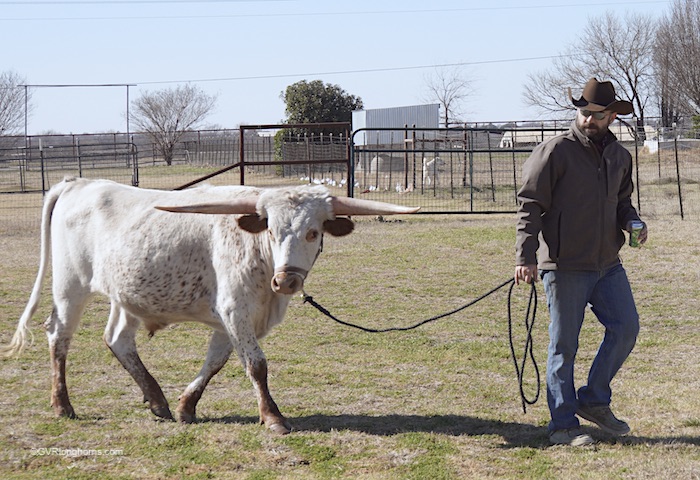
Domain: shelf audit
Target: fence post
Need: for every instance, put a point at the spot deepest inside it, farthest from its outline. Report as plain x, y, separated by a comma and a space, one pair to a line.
464, 147
636, 161
413, 155
132, 151
23, 165
678, 170
308, 140
241, 153
199, 144
493, 183
114, 146
41, 156
471, 170
515, 176
128, 149
658, 150
351, 163
80, 158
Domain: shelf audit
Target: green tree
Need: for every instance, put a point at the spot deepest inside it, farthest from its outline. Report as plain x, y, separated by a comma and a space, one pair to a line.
167, 114
316, 102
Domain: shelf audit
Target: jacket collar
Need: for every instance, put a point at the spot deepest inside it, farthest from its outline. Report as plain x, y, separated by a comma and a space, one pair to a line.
607, 140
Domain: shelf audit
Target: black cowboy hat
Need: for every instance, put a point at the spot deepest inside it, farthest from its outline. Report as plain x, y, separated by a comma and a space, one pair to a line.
598, 96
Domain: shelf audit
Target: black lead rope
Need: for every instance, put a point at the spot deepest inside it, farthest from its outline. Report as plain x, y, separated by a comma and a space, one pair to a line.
310, 299
529, 324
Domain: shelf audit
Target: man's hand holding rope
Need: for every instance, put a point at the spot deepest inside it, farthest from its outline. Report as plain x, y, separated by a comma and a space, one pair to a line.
526, 273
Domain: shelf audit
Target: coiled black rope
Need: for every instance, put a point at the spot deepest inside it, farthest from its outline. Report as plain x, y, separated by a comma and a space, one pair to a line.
529, 324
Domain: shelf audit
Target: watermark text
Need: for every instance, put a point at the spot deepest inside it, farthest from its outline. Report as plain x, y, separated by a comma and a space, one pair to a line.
76, 452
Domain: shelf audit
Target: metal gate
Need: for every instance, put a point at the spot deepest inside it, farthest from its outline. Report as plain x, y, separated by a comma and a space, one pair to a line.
449, 170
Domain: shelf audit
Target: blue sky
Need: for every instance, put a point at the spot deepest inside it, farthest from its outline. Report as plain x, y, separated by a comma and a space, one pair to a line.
248, 52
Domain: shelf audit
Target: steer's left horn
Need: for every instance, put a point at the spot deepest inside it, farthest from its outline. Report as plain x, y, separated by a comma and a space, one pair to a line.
243, 206
357, 206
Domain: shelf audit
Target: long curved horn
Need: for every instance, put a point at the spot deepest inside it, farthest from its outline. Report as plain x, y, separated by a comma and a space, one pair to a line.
357, 206
242, 205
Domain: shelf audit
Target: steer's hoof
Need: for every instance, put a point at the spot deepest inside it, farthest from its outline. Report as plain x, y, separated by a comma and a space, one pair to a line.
185, 417
280, 428
162, 412
65, 412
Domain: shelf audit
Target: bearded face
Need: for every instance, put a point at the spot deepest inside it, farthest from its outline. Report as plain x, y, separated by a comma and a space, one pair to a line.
594, 124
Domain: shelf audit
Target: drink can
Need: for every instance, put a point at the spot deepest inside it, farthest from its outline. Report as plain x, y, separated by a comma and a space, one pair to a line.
634, 234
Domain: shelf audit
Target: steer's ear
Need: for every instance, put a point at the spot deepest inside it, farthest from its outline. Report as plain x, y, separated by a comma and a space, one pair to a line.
253, 223
338, 227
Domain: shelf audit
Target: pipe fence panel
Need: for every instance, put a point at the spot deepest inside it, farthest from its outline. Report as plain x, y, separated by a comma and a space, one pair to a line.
478, 170
443, 171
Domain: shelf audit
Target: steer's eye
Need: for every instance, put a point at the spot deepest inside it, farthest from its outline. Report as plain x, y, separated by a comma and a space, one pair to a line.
272, 235
311, 235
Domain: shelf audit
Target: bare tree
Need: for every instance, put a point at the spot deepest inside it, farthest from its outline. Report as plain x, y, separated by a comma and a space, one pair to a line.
669, 103
547, 90
12, 102
609, 49
450, 87
167, 114
678, 56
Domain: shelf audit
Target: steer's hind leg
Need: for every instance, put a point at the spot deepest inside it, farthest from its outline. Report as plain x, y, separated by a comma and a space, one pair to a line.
120, 337
217, 355
60, 326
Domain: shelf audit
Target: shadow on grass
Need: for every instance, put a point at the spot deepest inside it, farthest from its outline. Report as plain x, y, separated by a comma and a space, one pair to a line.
641, 440
515, 434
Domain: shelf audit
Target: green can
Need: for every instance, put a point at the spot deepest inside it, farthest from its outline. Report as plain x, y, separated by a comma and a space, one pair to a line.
634, 234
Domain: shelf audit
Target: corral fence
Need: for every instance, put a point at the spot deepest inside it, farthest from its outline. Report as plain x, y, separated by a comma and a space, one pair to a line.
291, 153
478, 169
465, 170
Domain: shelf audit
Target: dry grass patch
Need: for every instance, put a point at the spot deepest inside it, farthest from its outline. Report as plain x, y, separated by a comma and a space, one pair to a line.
440, 401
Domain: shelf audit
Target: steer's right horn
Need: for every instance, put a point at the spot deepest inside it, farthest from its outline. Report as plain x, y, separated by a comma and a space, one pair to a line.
357, 206
242, 205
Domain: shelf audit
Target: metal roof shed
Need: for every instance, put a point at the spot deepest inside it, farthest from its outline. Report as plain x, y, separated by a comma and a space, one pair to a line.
424, 116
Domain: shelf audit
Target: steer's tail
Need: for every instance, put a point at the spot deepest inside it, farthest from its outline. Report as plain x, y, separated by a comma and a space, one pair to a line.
22, 333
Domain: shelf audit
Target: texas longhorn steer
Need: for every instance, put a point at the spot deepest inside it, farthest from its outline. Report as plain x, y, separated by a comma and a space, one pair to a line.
158, 267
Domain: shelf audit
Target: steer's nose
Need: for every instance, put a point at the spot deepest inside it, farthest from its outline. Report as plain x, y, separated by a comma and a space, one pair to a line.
287, 283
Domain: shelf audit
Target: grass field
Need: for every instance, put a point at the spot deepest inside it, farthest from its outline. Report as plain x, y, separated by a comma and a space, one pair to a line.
438, 402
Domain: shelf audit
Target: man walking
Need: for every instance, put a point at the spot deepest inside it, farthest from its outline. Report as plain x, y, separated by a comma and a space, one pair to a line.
574, 206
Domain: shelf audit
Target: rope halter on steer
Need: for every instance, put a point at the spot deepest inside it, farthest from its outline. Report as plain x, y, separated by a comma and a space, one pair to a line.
288, 280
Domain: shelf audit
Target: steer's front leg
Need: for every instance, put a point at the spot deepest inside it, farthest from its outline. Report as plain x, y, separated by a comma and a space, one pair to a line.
269, 413
240, 327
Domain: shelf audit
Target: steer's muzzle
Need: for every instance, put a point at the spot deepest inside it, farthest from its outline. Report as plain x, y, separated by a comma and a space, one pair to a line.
288, 280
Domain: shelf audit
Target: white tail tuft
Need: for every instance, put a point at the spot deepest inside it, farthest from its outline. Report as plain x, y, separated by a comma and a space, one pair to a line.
19, 340
23, 333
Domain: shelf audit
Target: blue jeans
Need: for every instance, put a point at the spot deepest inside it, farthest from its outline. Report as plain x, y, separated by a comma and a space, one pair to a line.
610, 296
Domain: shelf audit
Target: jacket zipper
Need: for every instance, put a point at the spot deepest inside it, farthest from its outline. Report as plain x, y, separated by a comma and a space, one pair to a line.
602, 195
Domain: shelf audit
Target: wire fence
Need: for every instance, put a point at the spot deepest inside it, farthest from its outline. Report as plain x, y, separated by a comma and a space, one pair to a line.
458, 170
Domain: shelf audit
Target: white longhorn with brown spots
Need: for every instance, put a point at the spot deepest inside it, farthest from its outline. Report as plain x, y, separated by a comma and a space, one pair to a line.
158, 268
